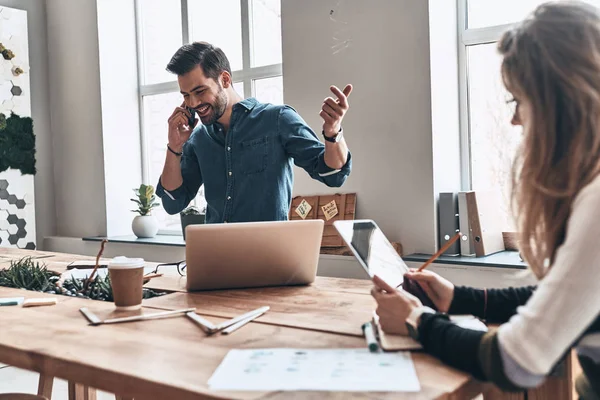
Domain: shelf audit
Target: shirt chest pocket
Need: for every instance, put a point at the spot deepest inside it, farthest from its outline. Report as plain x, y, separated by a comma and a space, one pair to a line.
254, 156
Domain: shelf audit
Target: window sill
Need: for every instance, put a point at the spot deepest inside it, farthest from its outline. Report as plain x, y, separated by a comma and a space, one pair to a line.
158, 240
503, 259
177, 241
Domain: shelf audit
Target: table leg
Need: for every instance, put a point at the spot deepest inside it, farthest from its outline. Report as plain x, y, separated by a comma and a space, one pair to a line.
78, 391
45, 383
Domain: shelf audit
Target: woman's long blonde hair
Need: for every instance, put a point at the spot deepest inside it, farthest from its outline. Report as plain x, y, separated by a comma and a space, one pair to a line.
552, 61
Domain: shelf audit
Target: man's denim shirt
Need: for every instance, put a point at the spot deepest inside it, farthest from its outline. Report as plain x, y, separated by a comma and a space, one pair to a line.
248, 173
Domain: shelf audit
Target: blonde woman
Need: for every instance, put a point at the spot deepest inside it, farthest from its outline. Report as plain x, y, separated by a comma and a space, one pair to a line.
551, 66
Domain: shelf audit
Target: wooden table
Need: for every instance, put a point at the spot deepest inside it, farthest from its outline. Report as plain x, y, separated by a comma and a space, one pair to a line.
172, 358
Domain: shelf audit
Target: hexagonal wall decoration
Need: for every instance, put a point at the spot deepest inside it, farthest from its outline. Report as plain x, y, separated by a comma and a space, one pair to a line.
17, 227
8, 105
6, 13
17, 200
5, 88
16, 91
13, 229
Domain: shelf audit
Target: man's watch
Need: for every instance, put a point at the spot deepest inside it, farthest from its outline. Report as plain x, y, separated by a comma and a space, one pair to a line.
334, 139
414, 318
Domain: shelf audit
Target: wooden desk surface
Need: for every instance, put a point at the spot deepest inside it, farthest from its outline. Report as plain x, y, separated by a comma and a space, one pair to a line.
169, 358
172, 358
306, 307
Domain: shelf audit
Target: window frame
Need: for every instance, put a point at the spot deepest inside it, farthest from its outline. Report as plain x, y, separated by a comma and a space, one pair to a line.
469, 37
247, 75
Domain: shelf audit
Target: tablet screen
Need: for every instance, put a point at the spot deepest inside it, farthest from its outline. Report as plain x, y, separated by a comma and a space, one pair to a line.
374, 251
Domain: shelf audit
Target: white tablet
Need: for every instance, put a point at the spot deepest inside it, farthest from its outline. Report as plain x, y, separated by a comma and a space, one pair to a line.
373, 250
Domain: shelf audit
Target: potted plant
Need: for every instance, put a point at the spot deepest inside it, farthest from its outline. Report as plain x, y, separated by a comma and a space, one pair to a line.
192, 216
145, 224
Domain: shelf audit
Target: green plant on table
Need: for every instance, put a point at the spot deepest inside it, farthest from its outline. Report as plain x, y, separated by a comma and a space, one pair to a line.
29, 274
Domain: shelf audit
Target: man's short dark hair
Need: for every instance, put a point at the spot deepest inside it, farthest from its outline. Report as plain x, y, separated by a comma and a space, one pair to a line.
212, 60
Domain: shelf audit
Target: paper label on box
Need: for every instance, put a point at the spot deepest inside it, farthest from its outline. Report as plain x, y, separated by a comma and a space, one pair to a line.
303, 209
330, 210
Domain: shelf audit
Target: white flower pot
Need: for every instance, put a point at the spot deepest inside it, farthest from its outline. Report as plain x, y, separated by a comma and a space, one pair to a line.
145, 226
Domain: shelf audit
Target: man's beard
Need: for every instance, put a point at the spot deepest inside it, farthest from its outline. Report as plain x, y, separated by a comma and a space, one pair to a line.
217, 109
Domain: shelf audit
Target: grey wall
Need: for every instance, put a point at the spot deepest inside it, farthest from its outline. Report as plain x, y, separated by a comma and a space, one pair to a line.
388, 127
75, 108
40, 112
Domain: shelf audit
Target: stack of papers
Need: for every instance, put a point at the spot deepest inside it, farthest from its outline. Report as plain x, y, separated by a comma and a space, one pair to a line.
347, 370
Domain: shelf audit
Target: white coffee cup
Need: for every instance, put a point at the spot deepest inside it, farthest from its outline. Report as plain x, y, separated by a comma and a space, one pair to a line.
127, 279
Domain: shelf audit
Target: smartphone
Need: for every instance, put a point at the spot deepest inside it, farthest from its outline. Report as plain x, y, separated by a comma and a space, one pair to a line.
192, 117
378, 257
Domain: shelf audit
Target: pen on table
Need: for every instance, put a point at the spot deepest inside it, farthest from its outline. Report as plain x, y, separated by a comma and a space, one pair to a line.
243, 322
440, 251
205, 324
370, 337
243, 317
94, 320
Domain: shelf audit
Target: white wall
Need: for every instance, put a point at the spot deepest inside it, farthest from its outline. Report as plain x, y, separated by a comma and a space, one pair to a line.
75, 107
40, 113
388, 127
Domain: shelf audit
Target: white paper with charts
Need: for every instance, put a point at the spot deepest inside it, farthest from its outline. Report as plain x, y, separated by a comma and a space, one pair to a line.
349, 370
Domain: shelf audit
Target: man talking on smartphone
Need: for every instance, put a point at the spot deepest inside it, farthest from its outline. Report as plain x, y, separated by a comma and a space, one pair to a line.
243, 151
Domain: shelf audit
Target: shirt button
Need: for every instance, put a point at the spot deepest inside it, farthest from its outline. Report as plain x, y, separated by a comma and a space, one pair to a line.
228, 148
228, 197
230, 173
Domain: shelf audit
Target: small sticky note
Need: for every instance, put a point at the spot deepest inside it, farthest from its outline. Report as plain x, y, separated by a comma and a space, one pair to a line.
34, 302
330, 210
303, 209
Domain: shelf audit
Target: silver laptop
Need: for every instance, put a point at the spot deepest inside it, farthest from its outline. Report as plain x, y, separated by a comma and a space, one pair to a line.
252, 254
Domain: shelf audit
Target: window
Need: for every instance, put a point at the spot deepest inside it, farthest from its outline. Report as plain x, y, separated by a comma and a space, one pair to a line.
253, 47
488, 140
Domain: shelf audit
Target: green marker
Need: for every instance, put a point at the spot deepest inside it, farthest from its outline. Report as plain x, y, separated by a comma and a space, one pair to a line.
11, 301
370, 337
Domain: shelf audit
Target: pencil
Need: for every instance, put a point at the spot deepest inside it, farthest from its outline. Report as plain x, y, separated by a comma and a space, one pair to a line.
440, 252
243, 322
